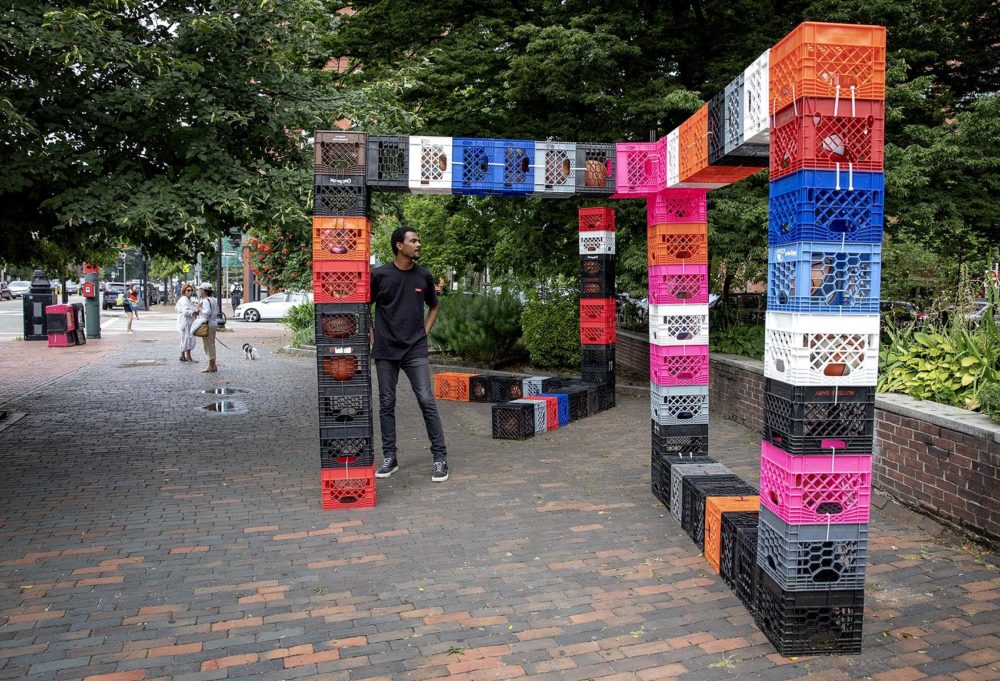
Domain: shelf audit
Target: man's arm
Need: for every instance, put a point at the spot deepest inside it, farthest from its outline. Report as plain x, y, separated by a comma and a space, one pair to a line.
432, 315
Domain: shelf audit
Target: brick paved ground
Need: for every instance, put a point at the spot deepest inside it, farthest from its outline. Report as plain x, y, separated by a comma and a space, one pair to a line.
179, 544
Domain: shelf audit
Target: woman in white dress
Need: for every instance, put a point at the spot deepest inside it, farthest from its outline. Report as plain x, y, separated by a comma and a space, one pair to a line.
186, 312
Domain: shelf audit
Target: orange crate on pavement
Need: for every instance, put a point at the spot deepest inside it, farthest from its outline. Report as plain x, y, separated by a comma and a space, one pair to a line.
714, 508
452, 385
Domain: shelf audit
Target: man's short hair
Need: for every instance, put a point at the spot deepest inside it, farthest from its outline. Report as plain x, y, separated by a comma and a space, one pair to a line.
398, 236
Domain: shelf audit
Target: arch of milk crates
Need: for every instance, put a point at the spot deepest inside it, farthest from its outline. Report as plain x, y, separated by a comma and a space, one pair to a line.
811, 110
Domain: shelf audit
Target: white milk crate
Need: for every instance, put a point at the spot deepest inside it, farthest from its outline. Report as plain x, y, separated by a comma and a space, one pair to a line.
673, 157
685, 405
533, 385
555, 170
597, 243
756, 98
680, 471
430, 165
678, 324
541, 414
818, 349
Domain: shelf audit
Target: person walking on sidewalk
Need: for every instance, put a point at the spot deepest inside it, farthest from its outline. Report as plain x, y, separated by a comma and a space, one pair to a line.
399, 290
131, 305
208, 315
186, 312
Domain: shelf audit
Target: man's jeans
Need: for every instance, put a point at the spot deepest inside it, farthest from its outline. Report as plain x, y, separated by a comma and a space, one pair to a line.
418, 370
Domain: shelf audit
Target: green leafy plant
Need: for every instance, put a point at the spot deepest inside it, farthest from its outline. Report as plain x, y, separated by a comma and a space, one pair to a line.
989, 401
300, 321
552, 331
484, 328
747, 341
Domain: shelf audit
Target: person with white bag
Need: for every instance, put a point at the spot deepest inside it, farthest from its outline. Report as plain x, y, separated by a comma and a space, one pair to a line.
207, 324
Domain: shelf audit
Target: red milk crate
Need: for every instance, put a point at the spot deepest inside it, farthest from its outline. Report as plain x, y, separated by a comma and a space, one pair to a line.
595, 335
336, 238
815, 489
671, 365
597, 219
341, 281
827, 134
348, 488
551, 410
677, 244
677, 205
678, 284
597, 312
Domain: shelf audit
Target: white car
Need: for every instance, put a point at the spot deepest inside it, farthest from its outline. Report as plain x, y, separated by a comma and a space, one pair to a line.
272, 307
19, 287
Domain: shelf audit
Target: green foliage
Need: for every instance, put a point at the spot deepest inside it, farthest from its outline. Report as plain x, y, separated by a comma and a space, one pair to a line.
300, 321
483, 328
552, 331
989, 401
747, 341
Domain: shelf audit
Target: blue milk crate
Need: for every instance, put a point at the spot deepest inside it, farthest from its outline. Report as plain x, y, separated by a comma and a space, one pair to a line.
493, 167
824, 277
826, 205
562, 401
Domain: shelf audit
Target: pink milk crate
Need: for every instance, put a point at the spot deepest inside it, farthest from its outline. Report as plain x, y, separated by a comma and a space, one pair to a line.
671, 365
815, 489
642, 168
678, 284
676, 205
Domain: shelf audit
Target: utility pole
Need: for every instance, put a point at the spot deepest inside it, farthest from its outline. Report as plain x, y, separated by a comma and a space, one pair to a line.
218, 273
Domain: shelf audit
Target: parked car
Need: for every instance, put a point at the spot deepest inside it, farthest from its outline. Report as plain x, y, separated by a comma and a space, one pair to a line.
5, 291
110, 296
273, 307
72, 287
18, 287
901, 313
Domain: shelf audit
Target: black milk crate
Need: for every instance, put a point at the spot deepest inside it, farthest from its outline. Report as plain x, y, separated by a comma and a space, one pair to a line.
340, 196
601, 377
595, 168
346, 447
732, 521
663, 464
343, 323
598, 357
388, 163
810, 557
513, 421
345, 407
597, 276
717, 126
606, 395
745, 568
816, 420
339, 153
659, 480
680, 440
504, 388
479, 388
696, 489
578, 396
809, 622
590, 405
344, 367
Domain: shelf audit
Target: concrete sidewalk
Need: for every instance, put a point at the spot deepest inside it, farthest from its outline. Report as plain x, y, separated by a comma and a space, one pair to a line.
145, 538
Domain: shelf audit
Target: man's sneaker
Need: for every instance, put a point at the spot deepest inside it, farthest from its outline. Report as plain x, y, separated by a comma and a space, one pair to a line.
440, 473
388, 467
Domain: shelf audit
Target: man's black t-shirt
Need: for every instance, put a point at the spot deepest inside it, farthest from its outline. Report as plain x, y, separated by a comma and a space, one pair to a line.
399, 297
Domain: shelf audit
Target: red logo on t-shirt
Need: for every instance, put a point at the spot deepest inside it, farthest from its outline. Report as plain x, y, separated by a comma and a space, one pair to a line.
418, 290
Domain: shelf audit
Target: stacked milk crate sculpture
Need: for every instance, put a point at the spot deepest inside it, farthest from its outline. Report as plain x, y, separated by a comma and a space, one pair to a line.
597, 301
341, 241
827, 111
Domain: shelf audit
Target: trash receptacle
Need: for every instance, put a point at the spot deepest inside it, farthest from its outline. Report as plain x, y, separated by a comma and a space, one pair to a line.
38, 297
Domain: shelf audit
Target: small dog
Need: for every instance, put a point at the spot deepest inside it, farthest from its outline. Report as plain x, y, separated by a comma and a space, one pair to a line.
249, 351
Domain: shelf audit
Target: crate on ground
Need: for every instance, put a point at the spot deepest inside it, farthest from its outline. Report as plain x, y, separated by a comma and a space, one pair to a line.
430, 165
600, 219
598, 357
597, 275
809, 557
821, 622
685, 405
659, 481
839, 206
551, 410
807, 420
598, 376
340, 196
678, 284
501, 388
344, 488
341, 281
680, 471
576, 397
745, 570
342, 323
340, 407
824, 278
479, 388
493, 167
346, 447
540, 414
715, 508
535, 385
595, 168
678, 365
597, 243
606, 394
344, 367
756, 93
554, 170
664, 465
679, 440
678, 324
388, 163
339, 153
513, 420
821, 350
453, 385
697, 489
732, 522
641, 168
562, 400
815, 489
683, 206
677, 244
341, 238
838, 61
828, 134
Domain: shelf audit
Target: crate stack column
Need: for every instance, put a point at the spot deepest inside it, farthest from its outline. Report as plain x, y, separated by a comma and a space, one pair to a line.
597, 301
827, 85
341, 242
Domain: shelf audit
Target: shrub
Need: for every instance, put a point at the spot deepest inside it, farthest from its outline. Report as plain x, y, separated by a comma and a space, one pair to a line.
552, 331
300, 321
989, 401
747, 341
483, 328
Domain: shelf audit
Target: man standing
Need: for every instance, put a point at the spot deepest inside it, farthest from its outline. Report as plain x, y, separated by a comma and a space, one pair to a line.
399, 291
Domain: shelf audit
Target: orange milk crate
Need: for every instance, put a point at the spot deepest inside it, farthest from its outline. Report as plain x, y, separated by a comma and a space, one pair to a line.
452, 385
714, 508
692, 145
677, 244
339, 238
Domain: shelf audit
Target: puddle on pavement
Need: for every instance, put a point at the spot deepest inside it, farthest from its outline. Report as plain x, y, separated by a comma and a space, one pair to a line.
220, 407
223, 391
